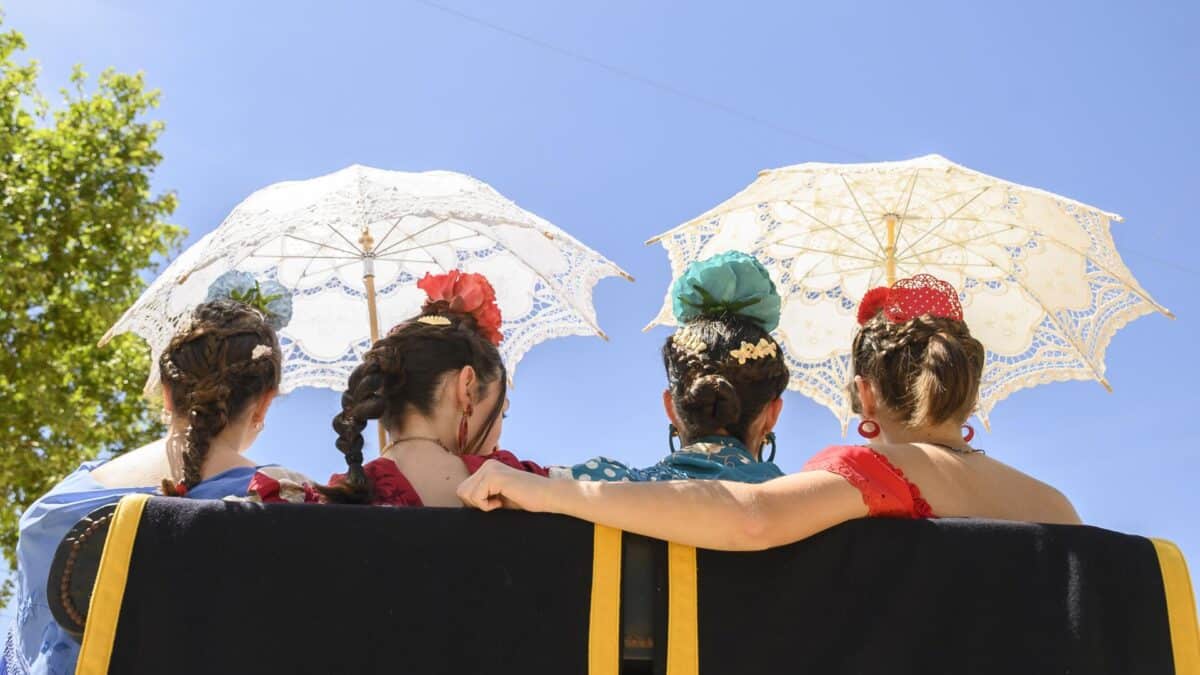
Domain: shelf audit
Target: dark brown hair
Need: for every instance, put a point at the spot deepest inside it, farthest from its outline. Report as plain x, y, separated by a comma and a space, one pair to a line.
209, 371
712, 390
926, 370
402, 372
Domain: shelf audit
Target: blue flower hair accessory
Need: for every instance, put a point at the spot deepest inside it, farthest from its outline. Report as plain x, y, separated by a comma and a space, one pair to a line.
268, 297
727, 283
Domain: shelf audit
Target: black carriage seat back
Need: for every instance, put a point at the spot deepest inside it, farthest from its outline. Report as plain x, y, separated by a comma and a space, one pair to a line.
73, 570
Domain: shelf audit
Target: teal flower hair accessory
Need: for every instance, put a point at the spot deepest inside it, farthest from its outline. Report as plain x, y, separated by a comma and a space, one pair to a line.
270, 297
726, 283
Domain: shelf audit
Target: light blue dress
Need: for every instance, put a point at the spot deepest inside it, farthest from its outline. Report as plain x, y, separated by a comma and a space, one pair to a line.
35, 643
709, 458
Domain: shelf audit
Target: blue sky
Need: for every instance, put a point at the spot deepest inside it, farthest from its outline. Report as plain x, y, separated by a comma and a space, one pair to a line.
618, 120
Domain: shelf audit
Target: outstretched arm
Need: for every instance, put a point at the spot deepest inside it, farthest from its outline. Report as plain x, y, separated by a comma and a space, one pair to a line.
709, 514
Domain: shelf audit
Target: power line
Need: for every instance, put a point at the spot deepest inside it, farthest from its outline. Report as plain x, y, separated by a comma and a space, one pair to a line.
689, 96
1162, 261
642, 79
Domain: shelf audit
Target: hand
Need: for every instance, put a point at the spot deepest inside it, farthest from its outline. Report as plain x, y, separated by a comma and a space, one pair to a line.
496, 486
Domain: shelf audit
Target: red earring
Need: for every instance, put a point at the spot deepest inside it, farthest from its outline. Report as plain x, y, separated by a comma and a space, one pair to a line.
868, 428
462, 428
968, 433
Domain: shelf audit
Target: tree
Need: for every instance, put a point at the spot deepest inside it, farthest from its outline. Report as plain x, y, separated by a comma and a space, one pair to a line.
79, 225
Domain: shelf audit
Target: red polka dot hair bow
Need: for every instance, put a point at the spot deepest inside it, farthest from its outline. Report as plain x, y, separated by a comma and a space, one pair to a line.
910, 298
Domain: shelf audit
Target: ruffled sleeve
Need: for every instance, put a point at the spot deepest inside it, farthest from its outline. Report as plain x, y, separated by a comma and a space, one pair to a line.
473, 462
389, 485
885, 490
600, 468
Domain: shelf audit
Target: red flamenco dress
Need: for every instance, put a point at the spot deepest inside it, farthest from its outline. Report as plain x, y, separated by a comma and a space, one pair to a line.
389, 485
884, 488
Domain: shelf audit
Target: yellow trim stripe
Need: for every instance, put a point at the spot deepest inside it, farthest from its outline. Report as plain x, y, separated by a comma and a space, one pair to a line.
683, 642
109, 589
1181, 607
604, 627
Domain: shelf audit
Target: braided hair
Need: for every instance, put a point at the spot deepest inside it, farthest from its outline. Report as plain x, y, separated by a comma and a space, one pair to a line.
712, 387
212, 371
402, 373
926, 370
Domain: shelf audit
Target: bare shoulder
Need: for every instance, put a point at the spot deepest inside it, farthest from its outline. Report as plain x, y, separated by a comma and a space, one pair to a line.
1046, 503
145, 466
1059, 507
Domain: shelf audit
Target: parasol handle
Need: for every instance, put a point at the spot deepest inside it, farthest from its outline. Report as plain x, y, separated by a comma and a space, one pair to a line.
890, 251
368, 244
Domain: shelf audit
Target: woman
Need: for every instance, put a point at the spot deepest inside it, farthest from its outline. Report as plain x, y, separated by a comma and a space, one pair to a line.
219, 376
917, 372
437, 384
725, 375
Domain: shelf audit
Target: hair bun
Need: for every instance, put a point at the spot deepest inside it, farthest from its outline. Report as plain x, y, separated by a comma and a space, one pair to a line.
728, 283
710, 403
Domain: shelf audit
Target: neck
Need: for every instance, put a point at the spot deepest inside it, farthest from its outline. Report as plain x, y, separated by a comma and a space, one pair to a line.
415, 427
415, 446
224, 450
946, 433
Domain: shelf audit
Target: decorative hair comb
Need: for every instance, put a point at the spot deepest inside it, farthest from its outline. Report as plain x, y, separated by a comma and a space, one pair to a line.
466, 293
688, 341
910, 298
753, 352
727, 283
433, 320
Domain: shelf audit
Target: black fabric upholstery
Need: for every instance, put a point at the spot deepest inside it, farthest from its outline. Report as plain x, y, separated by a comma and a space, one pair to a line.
240, 588
937, 596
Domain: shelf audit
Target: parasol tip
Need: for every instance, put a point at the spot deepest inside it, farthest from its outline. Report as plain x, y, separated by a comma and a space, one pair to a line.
602, 334
1107, 386
1168, 313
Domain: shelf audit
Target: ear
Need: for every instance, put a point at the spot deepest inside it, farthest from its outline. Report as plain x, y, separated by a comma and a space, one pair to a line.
669, 407
259, 412
866, 397
771, 414
466, 386
168, 403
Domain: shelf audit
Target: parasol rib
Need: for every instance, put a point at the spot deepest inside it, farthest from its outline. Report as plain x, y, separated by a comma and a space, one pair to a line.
912, 186
380, 249
1041, 233
944, 221
1053, 317
825, 225
866, 220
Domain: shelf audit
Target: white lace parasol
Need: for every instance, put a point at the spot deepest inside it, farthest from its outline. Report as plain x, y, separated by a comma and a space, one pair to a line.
339, 242
1040, 280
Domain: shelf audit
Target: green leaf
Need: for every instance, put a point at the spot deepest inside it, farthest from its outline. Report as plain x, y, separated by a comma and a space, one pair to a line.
79, 225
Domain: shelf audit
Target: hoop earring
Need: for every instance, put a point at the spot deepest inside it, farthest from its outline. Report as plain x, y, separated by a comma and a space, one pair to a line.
968, 433
672, 434
462, 428
868, 428
769, 438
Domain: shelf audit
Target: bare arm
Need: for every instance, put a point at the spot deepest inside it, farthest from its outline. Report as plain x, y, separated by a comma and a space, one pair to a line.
709, 514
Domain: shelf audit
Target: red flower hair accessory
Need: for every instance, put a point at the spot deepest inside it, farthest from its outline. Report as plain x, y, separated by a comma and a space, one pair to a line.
466, 294
909, 298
